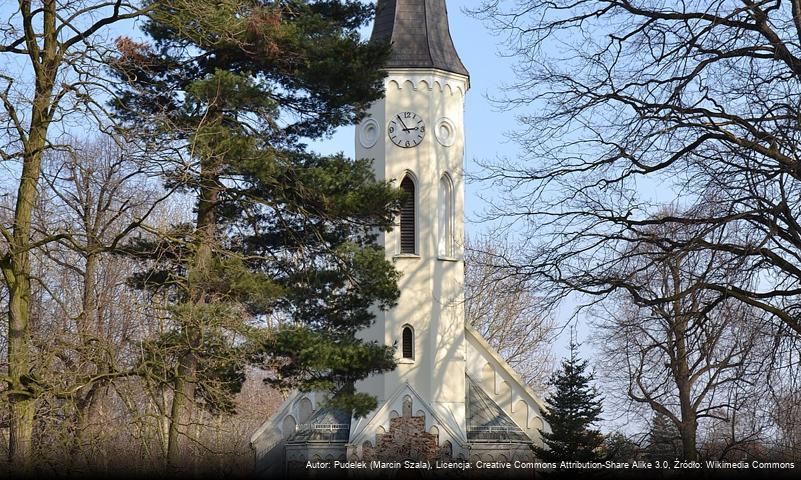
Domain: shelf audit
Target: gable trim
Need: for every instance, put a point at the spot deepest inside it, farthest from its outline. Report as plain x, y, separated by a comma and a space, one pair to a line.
361, 433
473, 333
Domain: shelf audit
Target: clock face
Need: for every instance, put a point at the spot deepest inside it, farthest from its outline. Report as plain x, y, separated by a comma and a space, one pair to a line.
406, 129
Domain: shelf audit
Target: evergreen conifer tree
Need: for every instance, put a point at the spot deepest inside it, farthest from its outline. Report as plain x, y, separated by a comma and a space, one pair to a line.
229, 91
664, 440
620, 448
573, 408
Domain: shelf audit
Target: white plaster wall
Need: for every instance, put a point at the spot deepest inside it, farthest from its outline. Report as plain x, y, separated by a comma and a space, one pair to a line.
272, 433
431, 287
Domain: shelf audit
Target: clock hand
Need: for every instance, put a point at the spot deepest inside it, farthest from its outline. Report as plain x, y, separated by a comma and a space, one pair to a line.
404, 125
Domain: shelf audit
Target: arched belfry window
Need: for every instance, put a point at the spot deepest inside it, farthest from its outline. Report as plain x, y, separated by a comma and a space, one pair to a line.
408, 233
445, 210
407, 347
408, 240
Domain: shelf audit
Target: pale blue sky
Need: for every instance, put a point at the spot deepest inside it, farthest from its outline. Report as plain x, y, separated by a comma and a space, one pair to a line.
484, 126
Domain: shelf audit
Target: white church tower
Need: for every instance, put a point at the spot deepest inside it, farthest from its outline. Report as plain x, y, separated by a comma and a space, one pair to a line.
451, 396
416, 137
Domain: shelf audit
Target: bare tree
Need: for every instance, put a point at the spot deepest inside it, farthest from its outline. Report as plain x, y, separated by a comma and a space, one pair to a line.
626, 105
51, 56
694, 358
787, 415
99, 194
507, 312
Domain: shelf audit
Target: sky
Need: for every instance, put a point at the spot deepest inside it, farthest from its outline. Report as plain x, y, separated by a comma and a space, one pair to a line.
485, 125
486, 128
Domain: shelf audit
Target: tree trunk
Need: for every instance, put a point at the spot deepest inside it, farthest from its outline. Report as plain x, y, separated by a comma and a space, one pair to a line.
21, 435
89, 329
88, 451
689, 423
18, 278
182, 402
688, 426
184, 385
17, 272
688, 429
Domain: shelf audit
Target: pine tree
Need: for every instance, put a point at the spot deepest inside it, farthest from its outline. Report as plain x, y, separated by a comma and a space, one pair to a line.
572, 410
620, 448
664, 439
229, 91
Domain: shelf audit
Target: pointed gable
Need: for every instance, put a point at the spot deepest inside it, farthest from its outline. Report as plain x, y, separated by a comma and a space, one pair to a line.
486, 421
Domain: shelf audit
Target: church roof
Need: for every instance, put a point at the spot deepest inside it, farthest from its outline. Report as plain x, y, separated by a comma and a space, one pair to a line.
326, 425
486, 420
419, 33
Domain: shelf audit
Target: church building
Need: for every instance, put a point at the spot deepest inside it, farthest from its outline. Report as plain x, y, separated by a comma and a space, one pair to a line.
451, 396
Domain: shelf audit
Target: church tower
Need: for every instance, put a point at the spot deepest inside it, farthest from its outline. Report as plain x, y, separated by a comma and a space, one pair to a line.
415, 136
451, 396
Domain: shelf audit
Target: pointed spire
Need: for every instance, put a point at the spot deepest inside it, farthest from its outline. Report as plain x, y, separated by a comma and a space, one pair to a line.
418, 31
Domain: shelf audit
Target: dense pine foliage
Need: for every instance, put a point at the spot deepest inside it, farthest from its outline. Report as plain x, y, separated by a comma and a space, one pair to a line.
282, 237
574, 408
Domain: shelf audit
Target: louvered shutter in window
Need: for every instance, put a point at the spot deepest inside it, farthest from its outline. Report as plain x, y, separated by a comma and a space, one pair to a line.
408, 342
407, 218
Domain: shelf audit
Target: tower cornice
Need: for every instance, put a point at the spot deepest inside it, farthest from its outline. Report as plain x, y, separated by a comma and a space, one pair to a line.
430, 77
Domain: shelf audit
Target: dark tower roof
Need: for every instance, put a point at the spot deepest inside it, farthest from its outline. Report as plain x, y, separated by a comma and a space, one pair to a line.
418, 31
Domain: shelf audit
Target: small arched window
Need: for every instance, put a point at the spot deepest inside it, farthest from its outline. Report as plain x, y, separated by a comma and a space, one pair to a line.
288, 426
447, 449
445, 216
408, 342
407, 218
305, 410
407, 407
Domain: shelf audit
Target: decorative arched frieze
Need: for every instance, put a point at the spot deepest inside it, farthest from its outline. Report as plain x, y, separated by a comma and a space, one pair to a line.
305, 410
288, 426
520, 413
428, 81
